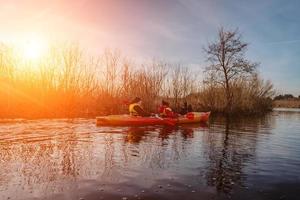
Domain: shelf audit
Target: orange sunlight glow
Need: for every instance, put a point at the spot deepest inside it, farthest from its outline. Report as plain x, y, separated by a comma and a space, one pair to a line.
34, 49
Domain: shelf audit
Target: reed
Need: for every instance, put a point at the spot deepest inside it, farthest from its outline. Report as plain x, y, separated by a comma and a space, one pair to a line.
68, 82
252, 96
287, 103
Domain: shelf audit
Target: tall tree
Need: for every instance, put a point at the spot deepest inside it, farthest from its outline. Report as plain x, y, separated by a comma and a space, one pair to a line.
227, 62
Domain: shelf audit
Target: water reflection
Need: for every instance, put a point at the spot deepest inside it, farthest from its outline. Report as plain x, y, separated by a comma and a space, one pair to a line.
232, 149
137, 134
46, 157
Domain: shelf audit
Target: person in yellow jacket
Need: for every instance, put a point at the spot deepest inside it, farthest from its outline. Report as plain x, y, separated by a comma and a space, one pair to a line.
136, 109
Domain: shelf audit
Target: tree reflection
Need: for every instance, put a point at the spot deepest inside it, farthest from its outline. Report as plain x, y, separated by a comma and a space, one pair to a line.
230, 149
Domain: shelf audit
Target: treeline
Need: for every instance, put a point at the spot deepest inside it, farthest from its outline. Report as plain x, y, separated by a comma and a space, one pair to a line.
286, 97
69, 83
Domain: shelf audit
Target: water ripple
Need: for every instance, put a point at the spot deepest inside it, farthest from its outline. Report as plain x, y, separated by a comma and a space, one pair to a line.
73, 159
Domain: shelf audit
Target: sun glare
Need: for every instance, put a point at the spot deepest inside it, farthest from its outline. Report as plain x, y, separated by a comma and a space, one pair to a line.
34, 49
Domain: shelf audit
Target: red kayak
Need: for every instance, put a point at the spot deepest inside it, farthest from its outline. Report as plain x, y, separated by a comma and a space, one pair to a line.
127, 120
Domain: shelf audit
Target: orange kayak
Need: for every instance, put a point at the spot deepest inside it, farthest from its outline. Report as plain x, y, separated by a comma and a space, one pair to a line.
127, 120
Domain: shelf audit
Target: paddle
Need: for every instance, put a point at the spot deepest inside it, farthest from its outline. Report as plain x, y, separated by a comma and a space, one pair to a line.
158, 117
167, 121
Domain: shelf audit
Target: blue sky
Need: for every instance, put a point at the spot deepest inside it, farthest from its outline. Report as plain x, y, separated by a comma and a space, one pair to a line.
173, 30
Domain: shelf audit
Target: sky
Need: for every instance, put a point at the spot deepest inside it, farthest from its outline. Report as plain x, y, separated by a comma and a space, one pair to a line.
172, 30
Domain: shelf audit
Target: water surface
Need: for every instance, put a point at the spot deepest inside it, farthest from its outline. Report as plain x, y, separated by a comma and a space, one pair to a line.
248, 158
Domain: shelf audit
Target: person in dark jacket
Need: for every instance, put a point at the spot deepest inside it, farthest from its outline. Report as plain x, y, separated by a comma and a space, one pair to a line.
190, 108
136, 109
186, 108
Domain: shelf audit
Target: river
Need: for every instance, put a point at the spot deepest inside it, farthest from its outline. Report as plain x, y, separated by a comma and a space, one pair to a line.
248, 158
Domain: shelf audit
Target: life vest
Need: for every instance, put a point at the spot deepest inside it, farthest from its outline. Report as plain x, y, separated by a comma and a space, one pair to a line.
164, 111
132, 111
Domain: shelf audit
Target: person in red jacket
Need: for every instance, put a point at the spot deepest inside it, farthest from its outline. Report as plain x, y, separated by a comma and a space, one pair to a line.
165, 110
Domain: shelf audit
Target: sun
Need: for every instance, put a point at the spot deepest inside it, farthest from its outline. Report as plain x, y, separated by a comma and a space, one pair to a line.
33, 49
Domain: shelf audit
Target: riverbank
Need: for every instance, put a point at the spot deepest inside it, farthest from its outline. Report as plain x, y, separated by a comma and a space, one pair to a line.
287, 103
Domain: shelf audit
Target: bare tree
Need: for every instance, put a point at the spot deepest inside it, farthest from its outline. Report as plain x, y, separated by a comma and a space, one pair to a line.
179, 84
227, 62
111, 61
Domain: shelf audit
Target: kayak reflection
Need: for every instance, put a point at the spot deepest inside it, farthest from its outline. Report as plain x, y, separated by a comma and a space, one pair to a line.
137, 134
